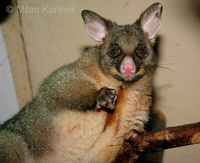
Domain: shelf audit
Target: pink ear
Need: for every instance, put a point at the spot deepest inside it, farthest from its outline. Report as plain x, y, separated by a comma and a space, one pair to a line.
150, 20
95, 25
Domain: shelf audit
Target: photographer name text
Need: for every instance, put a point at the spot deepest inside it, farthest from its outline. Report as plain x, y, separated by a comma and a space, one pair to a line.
42, 9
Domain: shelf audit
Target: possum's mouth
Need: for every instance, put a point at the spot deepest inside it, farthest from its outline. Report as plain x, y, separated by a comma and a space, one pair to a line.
129, 78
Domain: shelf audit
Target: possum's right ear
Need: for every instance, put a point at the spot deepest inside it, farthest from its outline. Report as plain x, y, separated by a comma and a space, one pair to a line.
95, 25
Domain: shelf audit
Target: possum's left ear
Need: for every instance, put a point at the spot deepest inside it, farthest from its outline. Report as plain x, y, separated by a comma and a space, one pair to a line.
150, 20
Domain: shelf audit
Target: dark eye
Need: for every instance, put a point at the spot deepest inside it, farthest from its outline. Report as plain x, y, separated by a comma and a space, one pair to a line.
141, 51
114, 50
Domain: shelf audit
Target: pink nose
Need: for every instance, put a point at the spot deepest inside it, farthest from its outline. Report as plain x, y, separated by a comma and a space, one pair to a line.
128, 67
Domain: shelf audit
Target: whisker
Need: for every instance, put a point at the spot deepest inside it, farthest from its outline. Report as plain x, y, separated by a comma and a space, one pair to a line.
165, 68
165, 72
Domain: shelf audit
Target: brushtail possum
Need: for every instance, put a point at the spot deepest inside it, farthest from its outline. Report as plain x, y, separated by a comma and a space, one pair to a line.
82, 111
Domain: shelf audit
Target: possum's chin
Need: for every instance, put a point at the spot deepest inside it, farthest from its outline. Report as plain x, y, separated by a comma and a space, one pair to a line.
128, 79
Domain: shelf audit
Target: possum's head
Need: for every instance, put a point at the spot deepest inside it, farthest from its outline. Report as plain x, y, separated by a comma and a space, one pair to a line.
126, 52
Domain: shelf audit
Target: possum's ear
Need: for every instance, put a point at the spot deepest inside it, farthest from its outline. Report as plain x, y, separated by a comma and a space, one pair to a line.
150, 20
95, 25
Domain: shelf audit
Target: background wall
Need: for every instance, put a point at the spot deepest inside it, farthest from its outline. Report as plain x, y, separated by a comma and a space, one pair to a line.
40, 38
8, 99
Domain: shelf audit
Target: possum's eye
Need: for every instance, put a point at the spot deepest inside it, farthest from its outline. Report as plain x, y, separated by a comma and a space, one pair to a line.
114, 50
141, 51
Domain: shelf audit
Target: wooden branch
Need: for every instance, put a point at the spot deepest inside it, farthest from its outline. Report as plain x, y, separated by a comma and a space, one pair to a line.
137, 144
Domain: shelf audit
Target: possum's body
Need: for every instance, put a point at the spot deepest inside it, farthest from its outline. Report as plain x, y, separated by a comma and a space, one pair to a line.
71, 136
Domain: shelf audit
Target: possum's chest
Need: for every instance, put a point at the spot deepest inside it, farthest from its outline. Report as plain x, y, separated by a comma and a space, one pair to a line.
96, 136
76, 133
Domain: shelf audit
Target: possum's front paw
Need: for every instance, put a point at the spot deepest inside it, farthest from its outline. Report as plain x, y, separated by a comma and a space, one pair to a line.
106, 98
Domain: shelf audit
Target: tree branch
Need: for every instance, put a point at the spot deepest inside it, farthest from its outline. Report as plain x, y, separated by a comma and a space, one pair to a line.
137, 144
